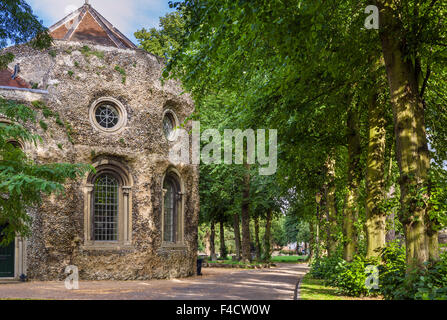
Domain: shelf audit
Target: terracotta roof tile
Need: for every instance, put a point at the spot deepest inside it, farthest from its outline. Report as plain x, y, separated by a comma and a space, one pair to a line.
88, 25
7, 81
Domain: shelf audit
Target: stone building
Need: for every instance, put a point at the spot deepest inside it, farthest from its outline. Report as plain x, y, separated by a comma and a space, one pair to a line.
137, 216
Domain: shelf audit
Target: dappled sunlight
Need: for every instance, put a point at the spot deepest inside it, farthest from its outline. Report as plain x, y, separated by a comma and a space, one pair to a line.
241, 284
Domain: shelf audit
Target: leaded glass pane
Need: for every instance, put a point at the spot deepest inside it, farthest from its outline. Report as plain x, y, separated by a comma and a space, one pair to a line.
107, 116
169, 209
105, 220
168, 125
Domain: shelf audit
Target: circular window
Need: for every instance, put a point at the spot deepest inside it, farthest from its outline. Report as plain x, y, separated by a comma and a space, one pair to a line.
108, 114
170, 124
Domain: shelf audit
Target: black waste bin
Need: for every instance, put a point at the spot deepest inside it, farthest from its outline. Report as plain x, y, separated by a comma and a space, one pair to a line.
199, 266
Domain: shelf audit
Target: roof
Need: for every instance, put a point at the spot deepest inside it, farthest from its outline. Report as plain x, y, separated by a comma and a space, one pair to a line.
7, 81
88, 25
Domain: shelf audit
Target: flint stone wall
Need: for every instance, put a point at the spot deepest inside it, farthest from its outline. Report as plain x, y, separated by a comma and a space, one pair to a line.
74, 79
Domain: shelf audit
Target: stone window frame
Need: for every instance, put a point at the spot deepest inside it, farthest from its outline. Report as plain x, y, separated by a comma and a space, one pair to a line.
22, 145
180, 242
122, 122
176, 124
125, 180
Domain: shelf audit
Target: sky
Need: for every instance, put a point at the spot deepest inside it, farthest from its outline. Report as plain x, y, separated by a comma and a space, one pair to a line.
127, 16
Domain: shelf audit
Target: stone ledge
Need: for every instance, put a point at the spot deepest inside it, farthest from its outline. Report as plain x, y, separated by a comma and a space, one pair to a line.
93, 247
22, 94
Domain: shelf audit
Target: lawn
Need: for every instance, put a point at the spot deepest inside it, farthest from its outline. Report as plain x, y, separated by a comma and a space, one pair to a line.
291, 259
314, 289
276, 259
253, 263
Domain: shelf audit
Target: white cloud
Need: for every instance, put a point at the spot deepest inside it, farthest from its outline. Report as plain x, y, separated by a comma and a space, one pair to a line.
125, 15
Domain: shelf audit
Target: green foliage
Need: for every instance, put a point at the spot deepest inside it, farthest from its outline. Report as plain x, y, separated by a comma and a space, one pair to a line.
290, 258
288, 252
348, 277
437, 203
43, 125
281, 64
69, 131
19, 25
164, 40
429, 283
122, 73
23, 183
325, 267
392, 269
296, 229
351, 277
87, 52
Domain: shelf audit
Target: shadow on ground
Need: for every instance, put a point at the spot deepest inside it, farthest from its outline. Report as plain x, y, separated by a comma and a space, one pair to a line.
216, 283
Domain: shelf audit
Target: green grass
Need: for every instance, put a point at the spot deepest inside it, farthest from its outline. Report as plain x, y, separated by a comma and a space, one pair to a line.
314, 289
282, 259
289, 259
234, 262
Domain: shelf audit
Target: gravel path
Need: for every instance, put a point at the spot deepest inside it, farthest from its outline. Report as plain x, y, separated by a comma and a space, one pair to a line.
278, 283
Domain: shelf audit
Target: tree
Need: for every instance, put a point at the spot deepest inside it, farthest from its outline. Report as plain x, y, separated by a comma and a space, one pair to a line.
22, 182
375, 174
18, 25
164, 40
411, 34
286, 62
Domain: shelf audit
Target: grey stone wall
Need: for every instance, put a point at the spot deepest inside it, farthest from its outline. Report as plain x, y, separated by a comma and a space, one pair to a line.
74, 78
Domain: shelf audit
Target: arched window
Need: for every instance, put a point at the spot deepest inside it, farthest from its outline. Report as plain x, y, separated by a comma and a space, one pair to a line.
172, 209
170, 125
15, 144
107, 208
105, 213
12, 142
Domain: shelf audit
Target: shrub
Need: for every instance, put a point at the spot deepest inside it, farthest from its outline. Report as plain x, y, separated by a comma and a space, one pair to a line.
392, 269
325, 267
288, 252
351, 277
429, 283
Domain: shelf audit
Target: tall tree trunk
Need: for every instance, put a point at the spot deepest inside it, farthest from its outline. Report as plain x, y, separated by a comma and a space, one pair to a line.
311, 240
207, 242
237, 236
246, 256
411, 139
391, 233
331, 208
212, 244
268, 228
375, 173
433, 242
350, 207
432, 236
258, 244
223, 249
